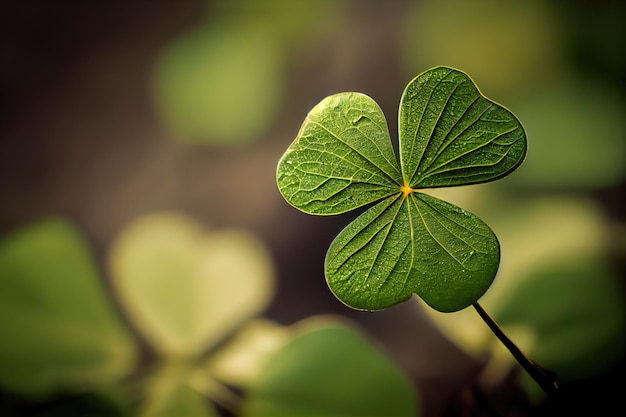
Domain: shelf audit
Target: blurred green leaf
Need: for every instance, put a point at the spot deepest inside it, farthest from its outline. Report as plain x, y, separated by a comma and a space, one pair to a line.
241, 360
577, 133
576, 312
410, 242
185, 288
331, 370
169, 394
506, 45
59, 330
220, 83
556, 295
223, 82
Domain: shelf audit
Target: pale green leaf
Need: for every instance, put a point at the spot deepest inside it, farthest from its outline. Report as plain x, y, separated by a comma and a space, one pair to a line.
186, 288
240, 361
331, 371
168, 393
584, 126
59, 329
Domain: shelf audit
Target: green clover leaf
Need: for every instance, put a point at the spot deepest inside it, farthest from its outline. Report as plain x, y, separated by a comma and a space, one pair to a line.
408, 242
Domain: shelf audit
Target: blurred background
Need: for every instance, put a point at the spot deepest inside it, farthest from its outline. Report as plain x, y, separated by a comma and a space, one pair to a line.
110, 111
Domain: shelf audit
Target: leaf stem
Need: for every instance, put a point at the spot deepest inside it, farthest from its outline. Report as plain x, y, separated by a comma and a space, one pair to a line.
546, 379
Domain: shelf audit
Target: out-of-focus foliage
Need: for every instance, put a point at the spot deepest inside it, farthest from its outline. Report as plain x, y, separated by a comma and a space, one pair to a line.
168, 392
518, 52
58, 331
242, 359
223, 82
577, 130
556, 295
330, 370
186, 290
506, 45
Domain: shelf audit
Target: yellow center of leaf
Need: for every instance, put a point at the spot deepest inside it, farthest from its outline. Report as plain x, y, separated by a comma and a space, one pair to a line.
406, 190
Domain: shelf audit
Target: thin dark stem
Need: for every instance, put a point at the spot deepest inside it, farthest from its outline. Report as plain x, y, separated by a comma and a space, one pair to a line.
546, 379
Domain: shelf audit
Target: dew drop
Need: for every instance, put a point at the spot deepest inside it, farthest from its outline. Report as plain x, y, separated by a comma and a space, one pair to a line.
334, 102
